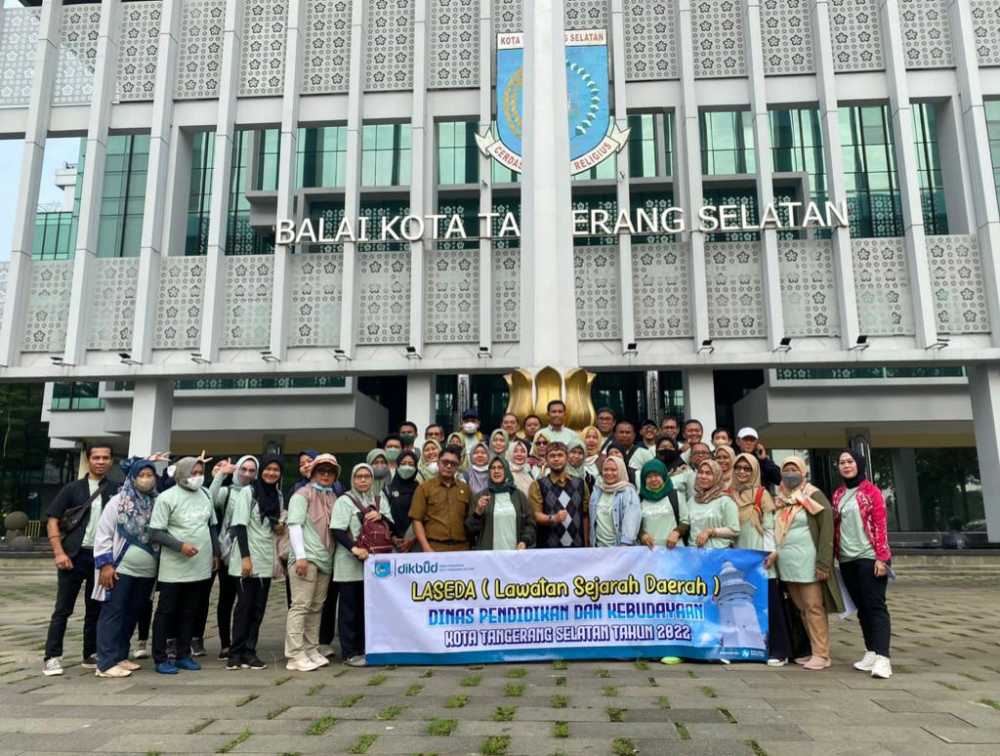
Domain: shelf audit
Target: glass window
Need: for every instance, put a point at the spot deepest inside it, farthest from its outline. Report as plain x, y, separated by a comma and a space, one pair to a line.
241, 237
727, 145
993, 129
651, 135
458, 154
268, 158
385, 159
123, 195
321, 159
200, 193
873, 200
591, 203
932, 200
53, 238
797, 147
76, 396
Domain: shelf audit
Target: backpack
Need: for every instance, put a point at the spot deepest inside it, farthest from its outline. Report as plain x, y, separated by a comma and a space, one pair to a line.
375, 536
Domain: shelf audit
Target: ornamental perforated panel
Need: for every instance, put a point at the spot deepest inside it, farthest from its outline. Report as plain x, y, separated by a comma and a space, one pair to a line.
986, 28
808, 288
454, 44
735, 290
18, 39
882, 283
315, 296
926, 33
249, 283
138, 40
178, 308
786, 31
326, 63
199, 55
506, 294
111, 313
389, 64
598, 308
78, 32
47, 308
585, 14
650, 40
857, 40
660, 290
262, 48
718, 27
451, 296
383, 284
508, 16
957, 281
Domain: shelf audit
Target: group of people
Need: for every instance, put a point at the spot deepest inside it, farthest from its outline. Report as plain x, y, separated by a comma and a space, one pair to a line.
521, 486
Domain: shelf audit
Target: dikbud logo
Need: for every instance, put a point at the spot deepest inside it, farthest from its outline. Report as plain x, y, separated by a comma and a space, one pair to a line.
383, 569
415, 568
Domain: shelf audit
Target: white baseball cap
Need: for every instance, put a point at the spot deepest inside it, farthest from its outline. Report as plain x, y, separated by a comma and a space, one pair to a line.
747, 432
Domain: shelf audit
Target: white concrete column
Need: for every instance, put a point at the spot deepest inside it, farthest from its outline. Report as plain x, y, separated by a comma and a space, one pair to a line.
157, 187
152, 417
485, 231
421, 138
98, 120
419, 400
689, 188
352, 176
699, 397
548, 302
287, 157
973, 118
770, 273
213, 310
833, 159
626, 297
984, 385
33, 153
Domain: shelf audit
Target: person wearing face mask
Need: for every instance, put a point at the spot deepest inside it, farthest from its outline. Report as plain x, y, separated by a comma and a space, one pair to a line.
399, 492
500, 517
379, 462
470, 430
393, 447
803, 532
408, 434
714, 516
477, 475
185, 526
254, 522
126, 562
520, 470
427, 468
228, 480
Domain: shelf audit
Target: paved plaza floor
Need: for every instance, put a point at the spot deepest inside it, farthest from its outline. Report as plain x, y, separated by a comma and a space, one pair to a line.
943, 699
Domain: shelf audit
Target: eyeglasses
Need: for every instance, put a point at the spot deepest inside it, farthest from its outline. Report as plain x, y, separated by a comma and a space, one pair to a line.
447, 462
743, 468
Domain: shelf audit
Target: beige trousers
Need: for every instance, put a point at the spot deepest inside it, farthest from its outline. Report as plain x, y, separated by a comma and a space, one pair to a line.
808, 598
308, 595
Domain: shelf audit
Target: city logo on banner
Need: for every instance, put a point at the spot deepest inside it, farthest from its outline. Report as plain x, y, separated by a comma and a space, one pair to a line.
593, 133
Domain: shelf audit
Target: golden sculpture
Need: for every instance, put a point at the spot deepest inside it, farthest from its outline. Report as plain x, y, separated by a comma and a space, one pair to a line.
527, 392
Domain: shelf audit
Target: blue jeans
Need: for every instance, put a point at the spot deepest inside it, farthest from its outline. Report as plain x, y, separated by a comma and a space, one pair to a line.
119, 617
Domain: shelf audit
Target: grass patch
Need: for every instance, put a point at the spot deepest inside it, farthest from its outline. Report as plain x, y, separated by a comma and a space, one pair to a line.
559, 702
504, 714
560, 682
348, 701
727, 715
364, 742
623, 747
377, 679
243, 737
321, 726
615, 714
247, 699
991, 702
755, 747
441, 728
604, 674
514, 674
948, 685
428, 673
414, 689
641, 665
282, 680
609, 691
470, 681
971, 676
663, 702
560, 729
495, 745
315, 689
277, 712
692, 675
709, 692
513, 690
456, 702
682, 731
200, 726
390, 713
560, 664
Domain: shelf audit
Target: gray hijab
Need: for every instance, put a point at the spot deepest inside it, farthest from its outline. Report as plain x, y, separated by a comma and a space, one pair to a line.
182, 471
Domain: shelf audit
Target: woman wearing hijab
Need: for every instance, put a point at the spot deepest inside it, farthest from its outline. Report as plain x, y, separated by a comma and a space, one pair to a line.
615, 512
227, 481
427, 466
520, 470
399, 493
664, 518
498, 443
256, 510
862, 547
714, 516
592, 443
803, 532
500, 517
185, 526
575, 458
457, 439
539, 444
725, 456
615, 449
126, 562
757, 532
360, 503
310, 564
477, 475
379, 463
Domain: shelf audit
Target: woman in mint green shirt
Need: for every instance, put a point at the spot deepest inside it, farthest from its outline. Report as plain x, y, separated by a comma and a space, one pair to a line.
615, 512
662, 511
714, 516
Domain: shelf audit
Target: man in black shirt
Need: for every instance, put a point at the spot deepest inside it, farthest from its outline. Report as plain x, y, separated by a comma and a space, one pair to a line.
72, 523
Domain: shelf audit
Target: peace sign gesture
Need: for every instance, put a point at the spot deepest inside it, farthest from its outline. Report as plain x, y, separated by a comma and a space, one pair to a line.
223, 467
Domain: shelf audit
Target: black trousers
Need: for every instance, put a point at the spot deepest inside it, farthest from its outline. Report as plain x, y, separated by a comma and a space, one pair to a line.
228, 589
328, 619
201, 619
352, 618
177, 616
868, 594
251, 603
145, 619
68, 584
779, 637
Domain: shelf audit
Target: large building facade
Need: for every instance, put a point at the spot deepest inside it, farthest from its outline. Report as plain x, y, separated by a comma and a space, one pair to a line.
163, 313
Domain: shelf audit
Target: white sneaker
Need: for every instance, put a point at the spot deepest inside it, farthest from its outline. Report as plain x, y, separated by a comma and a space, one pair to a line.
317, 658
141, 650
866, 662
301, 664
131, 666
116, 671
357, 661
52, 667
327, 651
777, 662
882, 668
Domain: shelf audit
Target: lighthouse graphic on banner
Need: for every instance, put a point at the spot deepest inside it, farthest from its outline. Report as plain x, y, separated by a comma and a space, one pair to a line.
737, 615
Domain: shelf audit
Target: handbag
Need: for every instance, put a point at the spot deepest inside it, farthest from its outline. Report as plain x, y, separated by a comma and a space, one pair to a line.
375, 536
71, 519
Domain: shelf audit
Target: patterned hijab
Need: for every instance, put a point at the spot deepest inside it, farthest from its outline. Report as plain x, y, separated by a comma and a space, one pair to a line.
748, 495
789, 502
135, 507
